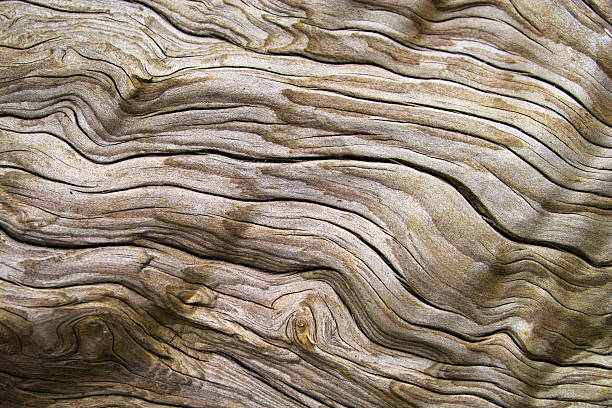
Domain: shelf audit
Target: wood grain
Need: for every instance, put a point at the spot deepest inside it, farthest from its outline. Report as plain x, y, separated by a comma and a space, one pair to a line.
290, 203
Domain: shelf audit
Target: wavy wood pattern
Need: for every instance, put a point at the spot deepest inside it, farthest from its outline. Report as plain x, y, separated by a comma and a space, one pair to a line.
291, 203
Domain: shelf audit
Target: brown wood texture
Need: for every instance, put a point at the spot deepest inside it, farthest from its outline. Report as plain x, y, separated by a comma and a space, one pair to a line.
305, 203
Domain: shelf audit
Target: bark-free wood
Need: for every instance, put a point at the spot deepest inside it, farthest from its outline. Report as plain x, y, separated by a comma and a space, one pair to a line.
291, 203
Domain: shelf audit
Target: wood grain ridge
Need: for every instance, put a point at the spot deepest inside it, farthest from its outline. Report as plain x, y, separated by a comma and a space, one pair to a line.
289, 203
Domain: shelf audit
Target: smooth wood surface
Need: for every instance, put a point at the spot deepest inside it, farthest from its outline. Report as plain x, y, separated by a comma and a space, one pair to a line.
305, 203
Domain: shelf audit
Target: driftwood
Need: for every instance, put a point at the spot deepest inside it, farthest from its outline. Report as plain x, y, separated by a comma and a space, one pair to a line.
305, 203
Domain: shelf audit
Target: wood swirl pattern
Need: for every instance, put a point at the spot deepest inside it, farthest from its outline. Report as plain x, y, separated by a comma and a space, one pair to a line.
291, 203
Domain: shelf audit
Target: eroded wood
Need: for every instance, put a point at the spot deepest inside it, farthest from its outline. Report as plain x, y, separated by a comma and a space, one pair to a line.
305, 203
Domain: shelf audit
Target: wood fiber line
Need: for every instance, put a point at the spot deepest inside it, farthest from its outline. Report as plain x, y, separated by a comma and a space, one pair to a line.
290, 203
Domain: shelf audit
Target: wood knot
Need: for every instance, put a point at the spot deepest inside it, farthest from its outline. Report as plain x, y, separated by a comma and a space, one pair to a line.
300, 325
301, 333
94, 338
201, 296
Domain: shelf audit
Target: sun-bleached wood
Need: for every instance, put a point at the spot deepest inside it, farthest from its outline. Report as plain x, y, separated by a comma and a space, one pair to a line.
291, 203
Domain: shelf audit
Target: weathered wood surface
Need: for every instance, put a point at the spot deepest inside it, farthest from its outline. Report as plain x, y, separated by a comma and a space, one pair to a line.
290, 203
